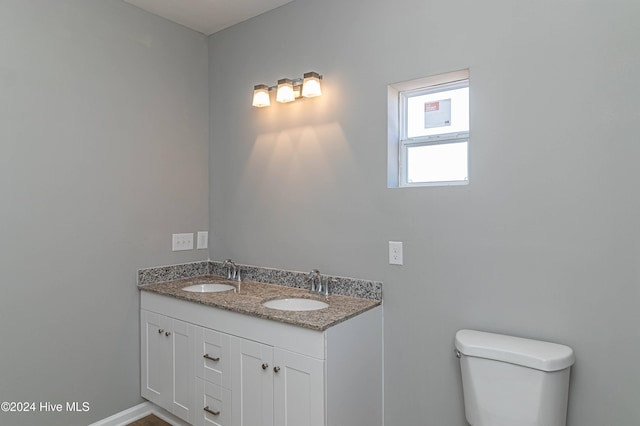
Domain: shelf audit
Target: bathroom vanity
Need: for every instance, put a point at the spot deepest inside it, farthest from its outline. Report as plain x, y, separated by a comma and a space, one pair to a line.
225, 359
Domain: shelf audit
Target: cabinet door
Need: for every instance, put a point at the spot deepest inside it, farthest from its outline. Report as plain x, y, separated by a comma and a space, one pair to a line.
298, 389
155, 347
252, 383
212, 357
213, 404
181, 368
167, 363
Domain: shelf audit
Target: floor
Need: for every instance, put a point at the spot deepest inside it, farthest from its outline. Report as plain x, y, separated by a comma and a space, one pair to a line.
150, 420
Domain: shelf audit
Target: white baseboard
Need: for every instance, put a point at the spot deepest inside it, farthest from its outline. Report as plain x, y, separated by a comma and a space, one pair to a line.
132, 414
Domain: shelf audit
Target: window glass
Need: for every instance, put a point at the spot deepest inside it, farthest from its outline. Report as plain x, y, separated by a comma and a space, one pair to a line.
437, 163
439, 112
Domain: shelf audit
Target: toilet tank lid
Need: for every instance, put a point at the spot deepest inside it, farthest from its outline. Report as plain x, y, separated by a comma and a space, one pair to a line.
536, 354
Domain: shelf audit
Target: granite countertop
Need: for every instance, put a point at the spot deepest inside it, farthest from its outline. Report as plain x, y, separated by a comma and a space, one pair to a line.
252, 294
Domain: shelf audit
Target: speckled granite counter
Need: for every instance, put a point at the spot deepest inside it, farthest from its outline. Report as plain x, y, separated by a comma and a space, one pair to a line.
355, 287
252, 294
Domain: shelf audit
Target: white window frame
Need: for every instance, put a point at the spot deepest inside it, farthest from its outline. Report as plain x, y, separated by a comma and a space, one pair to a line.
398, 126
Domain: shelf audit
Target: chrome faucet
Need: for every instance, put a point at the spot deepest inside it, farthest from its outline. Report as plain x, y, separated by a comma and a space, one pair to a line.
314, 278
327, 285
317, 284
233, 270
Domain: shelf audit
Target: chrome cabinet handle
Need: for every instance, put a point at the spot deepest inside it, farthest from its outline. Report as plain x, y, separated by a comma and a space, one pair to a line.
167, 333
211, 358
265, 366
276, 369
215, 413
160, 331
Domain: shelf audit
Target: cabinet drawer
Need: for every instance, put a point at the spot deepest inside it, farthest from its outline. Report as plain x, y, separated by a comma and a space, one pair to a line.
212, 360
213, 404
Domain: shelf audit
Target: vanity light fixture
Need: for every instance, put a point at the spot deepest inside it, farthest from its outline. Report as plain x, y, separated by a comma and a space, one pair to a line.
311, 85
284, 93
261, 95
288, 90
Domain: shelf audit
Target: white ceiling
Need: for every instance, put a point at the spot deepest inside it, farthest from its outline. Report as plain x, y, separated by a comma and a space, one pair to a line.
207, 16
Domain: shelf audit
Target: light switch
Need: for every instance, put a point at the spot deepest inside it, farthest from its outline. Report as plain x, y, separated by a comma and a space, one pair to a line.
182, 242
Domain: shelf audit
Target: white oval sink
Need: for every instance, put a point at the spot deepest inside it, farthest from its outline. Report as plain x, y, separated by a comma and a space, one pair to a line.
295, 304
209, 288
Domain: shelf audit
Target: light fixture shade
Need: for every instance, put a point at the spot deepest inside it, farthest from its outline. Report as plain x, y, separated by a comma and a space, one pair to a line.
285, 91
311, 85
261, 96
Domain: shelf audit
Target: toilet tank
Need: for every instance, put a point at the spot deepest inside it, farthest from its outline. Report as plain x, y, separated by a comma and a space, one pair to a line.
511, 381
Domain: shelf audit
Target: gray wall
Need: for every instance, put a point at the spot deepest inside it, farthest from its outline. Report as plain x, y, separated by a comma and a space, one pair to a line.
103, 154
543, 242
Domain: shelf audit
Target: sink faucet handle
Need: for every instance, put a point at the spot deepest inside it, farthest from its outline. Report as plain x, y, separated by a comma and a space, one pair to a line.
313, 277
328, 285
225, 264
232, 268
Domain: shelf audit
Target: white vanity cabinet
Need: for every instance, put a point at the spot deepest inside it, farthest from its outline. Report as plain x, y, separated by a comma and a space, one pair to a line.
298, 389
213, 368
248, 371
252, 383
167, 363
273, 386
213, 404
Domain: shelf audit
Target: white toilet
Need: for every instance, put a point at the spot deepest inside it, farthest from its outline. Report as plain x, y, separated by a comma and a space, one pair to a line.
511, 381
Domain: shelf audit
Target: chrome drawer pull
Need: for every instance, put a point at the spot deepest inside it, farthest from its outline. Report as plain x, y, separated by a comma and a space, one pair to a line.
215, 413
211, 358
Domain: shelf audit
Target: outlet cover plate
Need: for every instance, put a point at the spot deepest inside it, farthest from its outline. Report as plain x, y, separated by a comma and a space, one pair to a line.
203, 239
395, 253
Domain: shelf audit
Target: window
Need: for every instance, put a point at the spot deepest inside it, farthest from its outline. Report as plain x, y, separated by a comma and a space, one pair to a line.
429, 129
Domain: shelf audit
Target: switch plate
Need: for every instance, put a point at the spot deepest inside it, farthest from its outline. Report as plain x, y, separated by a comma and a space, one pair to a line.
395, 252
203, 239
182, 242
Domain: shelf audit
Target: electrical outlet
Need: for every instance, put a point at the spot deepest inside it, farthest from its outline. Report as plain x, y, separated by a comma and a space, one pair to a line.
203, 239
395, 252
182, 242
